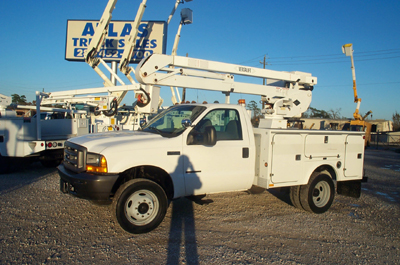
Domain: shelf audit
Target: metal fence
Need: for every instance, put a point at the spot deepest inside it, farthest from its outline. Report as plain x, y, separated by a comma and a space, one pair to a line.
385, 139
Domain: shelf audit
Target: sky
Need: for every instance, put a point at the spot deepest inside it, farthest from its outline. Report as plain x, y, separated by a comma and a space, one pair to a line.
293, 35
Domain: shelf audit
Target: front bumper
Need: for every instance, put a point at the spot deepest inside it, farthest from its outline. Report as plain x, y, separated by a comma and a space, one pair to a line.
85, 185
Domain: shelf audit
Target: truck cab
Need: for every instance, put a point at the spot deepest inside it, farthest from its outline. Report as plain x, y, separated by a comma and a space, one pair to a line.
188, 149
183, 142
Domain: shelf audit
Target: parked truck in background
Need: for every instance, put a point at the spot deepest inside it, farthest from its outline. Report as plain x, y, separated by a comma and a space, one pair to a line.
39, 136
41, 132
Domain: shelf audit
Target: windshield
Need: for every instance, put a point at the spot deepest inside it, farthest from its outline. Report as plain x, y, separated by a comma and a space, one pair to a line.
169, 122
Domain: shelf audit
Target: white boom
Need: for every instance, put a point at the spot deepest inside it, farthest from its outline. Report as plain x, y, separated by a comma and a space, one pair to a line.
288, 95
97, 42
130, 44
98, 39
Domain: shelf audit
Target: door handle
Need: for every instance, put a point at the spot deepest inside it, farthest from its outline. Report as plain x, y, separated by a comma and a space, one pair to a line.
245, 152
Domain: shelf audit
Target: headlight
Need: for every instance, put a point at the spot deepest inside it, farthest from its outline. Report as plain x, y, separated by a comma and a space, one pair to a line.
96, 163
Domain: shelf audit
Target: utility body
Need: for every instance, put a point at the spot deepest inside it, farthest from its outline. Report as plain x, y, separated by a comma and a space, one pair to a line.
196, 149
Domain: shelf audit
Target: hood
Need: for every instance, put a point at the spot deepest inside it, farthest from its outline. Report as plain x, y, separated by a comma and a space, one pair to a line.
98, 142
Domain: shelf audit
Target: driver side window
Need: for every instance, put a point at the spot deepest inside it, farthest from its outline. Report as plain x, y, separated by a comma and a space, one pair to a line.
226, 123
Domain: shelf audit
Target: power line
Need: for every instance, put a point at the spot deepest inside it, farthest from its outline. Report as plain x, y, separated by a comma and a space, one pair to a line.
251, 60
364, 84
327, 58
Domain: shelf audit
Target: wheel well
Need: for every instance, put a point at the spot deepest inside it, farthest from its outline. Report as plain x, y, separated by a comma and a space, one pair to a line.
153, 173
327, 168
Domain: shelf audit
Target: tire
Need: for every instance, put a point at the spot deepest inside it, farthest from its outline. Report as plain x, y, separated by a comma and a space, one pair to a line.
317, 196
295, 197
4, 164
151, 202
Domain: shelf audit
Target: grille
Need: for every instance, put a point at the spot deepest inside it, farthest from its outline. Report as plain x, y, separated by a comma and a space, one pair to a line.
74, 157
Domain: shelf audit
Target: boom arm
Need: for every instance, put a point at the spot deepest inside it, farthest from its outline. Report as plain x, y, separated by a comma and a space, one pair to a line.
131, 43
91, 57
98, 40
288, 95
348, 50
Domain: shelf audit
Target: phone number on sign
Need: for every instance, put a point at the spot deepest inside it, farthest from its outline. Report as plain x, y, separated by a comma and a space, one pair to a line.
109, 54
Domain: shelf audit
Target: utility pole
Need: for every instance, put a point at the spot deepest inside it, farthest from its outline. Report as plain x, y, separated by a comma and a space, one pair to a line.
263, 63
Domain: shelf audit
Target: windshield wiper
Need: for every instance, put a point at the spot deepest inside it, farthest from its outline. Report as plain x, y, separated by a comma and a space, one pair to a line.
155, 129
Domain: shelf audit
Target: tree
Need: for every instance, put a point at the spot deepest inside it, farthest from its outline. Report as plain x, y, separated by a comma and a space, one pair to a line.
316, 113
254, 108
322, 114
396, 121
256, 112
17, 99
334, 114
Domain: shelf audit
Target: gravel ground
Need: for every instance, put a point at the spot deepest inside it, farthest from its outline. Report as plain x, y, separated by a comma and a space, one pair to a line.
40, 225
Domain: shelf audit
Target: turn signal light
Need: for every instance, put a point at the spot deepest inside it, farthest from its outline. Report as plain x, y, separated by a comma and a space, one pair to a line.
100, 166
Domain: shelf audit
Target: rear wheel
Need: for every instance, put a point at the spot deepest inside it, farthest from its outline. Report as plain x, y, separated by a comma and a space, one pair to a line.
295, 196
139, 206
317, 196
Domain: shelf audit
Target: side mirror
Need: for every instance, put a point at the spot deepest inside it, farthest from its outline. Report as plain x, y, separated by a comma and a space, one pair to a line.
186, 123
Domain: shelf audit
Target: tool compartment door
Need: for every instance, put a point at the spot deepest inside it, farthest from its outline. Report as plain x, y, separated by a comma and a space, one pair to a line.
354, 156
323, 145
287, 152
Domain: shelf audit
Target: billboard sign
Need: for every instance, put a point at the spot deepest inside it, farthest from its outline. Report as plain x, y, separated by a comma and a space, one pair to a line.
152, 36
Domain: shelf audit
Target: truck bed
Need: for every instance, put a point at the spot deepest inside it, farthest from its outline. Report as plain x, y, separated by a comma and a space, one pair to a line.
288, 157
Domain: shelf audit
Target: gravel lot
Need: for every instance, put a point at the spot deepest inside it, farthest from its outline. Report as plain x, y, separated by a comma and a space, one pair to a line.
40, 225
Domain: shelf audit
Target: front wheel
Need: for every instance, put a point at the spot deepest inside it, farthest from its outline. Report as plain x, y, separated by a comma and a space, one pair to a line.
317, 196
139, 206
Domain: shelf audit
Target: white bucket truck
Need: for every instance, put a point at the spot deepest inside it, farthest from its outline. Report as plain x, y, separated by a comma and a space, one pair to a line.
41, 135
197, 149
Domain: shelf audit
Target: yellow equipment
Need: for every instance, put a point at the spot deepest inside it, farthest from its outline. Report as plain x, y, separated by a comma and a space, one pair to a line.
359, 123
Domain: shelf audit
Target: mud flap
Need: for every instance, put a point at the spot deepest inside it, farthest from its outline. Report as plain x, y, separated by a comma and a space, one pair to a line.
350, 188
